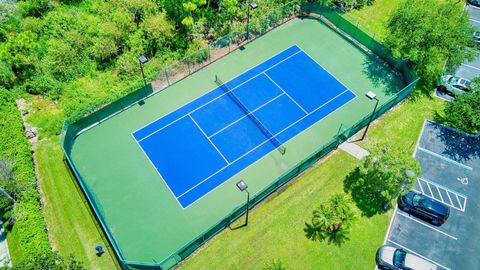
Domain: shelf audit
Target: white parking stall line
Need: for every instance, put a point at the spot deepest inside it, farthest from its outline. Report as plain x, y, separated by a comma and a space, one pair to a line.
420, 185
460, 197
445, 158
428, 226
469, 66
450, 198
440, 193
411, 251
428, 185
459, 203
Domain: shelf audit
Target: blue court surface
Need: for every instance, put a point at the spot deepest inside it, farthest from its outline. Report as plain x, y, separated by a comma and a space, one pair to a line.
201, 145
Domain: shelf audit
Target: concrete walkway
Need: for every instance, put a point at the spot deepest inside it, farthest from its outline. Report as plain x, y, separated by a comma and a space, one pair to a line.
354, 150
4, 254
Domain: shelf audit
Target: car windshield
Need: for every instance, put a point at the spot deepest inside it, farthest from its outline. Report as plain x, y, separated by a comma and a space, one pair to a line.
452, 80
417, 200
399, 258
464, 82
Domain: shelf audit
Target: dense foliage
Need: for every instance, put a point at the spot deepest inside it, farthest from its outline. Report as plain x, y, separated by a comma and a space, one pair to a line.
430, 32
351, 4
385, 174
29, 229
78, 52
49, 260
464, 112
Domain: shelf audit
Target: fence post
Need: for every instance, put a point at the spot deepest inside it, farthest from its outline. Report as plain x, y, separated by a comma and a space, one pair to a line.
372, 40
229, 42
209, 53
166, 76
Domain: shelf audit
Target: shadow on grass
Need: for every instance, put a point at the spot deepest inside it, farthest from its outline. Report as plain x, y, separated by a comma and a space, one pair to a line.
370, 204
422, 89
336, 238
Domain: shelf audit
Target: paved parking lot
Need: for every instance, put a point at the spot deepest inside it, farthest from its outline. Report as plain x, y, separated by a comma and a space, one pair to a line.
451, 174
471, 69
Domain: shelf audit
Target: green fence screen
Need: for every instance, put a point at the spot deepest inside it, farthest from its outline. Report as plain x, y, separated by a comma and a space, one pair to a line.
331, 16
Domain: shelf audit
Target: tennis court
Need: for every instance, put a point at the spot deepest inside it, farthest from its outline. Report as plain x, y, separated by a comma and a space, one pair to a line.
161, 174
204, 143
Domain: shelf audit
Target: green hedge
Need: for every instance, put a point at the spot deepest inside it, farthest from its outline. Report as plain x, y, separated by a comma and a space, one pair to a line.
28, 236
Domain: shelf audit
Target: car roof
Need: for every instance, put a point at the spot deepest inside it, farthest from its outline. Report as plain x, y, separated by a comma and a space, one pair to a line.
434, 205
414, 262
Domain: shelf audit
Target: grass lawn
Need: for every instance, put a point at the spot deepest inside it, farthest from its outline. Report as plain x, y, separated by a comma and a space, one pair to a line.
70, 223
375, 17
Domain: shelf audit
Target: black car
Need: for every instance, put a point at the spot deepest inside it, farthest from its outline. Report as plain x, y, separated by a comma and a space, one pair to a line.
474, 2
424, 207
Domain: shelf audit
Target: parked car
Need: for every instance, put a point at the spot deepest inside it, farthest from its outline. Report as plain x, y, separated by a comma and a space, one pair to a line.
422, 206
474, 2
454, 85
393, 258
476, 38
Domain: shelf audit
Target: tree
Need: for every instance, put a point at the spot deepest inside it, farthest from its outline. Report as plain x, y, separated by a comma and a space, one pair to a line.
430, 32
464, 112
158, 33
7, 181
331, 220
35, 8
384, 175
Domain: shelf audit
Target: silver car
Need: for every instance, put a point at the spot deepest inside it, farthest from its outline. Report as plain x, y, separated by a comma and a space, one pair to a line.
389, 257
454, 85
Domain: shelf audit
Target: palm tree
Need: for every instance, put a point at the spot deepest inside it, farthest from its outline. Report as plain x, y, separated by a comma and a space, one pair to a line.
331, 220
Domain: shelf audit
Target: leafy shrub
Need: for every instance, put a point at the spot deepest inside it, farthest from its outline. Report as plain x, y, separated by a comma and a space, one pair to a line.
29, 230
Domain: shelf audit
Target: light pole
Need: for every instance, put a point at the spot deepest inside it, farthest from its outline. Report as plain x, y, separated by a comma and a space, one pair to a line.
143, 60
371, 96
250, 6
242, 186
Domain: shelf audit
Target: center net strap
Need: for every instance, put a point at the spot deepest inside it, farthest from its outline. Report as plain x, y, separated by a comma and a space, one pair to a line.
246, 111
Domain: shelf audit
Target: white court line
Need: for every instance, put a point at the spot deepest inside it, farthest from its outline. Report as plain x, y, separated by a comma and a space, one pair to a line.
286, 93
246, 115
321, 66
156, 169
203, 132
268, 141
428, 226
160, 129
471, 66
261, 63
212, 100
411, 251
445, 158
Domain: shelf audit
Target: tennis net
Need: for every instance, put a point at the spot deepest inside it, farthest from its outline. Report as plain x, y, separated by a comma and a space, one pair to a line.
278, 145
